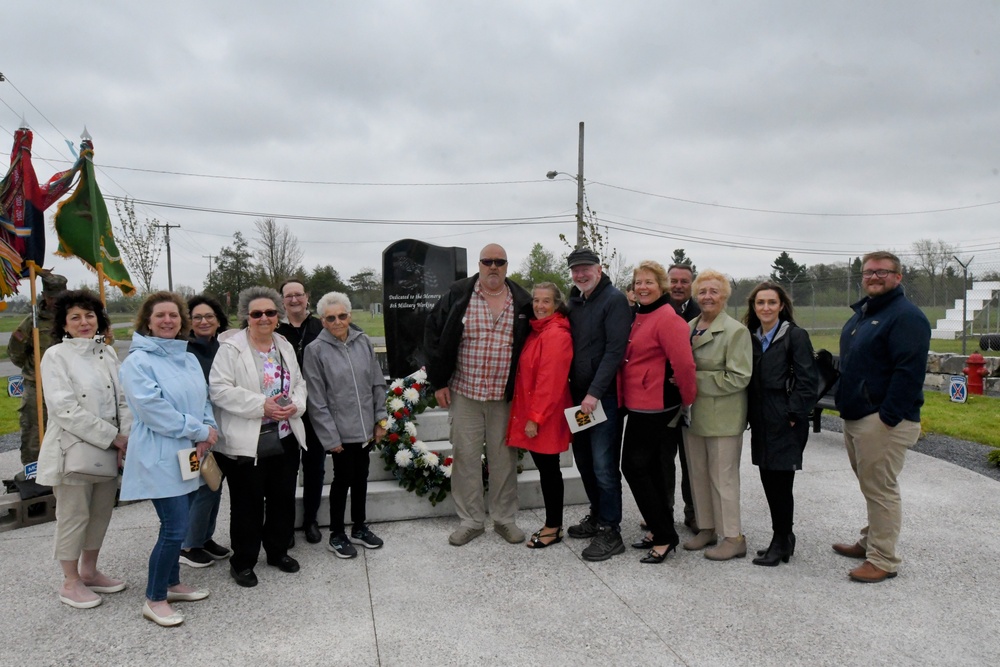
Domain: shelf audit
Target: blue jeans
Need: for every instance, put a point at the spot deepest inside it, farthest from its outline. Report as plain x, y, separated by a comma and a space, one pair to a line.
164, 566
598, 452
201, 518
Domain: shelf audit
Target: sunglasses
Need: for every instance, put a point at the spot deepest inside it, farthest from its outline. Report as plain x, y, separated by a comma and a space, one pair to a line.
257, 314
330, 319
493, 262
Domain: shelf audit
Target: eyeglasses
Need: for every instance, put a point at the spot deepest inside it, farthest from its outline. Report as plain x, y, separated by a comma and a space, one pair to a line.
206, 318
257, 314
294, 296
881, 273
343, 317
493, 262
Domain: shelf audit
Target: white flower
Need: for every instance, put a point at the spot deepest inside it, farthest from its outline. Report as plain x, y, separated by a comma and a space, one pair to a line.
420, 376
396, 383
430, 459
396, 404
411, 395
446, 470
410, 428
404, 458
420, 448
389, 423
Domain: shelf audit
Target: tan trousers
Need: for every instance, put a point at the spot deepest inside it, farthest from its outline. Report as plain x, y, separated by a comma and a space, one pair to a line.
83, 513
472, 424
877, 453
714, 471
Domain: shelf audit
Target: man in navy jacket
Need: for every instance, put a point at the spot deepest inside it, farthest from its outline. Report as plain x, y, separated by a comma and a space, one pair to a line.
883, 359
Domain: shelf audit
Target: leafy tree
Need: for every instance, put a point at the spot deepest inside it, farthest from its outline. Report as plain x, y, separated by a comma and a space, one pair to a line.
541, 266
934, 258
786, 272
234, 270
277, 251
679, 257
596, 237
366, 287
139, 242
324, 279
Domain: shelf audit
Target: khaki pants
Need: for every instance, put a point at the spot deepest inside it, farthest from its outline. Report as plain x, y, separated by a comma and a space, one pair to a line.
474, 423
83, 513
714, 470
877, 453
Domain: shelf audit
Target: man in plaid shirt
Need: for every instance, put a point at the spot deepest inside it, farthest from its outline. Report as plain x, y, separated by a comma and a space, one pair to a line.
472, 339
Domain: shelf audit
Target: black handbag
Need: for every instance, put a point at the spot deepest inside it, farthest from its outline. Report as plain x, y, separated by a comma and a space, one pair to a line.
269, 442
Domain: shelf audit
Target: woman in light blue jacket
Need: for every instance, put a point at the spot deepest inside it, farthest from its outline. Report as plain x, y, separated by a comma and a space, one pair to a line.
166, 391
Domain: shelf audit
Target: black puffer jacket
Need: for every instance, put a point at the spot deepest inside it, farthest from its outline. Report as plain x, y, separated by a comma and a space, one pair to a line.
783, 389
446, 323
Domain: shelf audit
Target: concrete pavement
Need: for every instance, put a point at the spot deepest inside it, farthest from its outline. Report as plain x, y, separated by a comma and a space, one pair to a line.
419, 601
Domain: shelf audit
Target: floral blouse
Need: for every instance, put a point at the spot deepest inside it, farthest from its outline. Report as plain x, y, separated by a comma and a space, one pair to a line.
276, 380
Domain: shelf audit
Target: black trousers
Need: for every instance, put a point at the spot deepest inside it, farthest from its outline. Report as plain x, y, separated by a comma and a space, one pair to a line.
313, 471
551, 481
676, 438
644, 449
778, 490
350, 473
262, 504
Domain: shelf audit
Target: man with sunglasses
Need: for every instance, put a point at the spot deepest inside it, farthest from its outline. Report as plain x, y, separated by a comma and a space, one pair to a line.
472, 341
883, 359
300, 327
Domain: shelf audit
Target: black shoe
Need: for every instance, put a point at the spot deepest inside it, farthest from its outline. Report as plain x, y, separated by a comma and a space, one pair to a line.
643, 543
216, 551
791, 546
366, 538
585, 529
653, 557
245, 578
285, 564
340, 545
607, 543
313, 536
779, 551
196, 558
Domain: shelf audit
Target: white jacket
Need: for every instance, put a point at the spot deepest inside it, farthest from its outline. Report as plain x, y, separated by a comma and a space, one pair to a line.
234, 389
83, 397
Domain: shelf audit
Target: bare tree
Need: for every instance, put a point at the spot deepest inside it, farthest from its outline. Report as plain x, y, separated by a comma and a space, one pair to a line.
139, 242
933, 257
277, 250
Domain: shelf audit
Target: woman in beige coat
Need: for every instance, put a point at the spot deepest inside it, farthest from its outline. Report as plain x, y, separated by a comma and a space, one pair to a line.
723, 357
85, 403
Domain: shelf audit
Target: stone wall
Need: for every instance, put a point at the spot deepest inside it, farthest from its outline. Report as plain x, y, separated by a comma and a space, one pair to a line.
941, 366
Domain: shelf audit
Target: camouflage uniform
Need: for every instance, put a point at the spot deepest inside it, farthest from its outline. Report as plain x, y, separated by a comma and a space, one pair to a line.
20, 349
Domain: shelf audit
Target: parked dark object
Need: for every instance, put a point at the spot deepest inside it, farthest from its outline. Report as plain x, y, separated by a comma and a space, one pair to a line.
989, 342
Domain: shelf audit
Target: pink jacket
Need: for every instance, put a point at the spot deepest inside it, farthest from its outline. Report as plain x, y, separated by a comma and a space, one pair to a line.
659, 348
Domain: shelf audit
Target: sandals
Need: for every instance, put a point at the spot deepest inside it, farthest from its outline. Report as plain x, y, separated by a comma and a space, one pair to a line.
535, 542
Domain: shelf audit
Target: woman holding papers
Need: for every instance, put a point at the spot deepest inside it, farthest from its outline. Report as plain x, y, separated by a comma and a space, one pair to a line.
541, 394
656, 379
166, 391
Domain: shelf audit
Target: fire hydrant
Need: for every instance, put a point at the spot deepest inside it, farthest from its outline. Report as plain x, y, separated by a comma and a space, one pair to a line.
975, 370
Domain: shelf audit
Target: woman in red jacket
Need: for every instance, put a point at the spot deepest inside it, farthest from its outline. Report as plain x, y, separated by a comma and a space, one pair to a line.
541, 394
656, 379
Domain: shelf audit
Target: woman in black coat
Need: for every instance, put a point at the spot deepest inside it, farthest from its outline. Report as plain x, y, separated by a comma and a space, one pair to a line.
782, 394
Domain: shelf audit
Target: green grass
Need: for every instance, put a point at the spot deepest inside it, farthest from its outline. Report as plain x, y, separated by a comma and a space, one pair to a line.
831, 342
8, 413
975, 420
373, 326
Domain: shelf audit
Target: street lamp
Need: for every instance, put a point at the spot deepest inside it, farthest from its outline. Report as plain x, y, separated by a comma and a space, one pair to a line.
579, 191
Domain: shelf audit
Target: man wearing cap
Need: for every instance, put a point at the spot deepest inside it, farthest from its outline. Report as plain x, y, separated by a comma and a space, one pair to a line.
472, 340
600, 319
21, 350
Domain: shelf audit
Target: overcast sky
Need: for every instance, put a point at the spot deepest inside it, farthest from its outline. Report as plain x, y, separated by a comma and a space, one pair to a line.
733, 130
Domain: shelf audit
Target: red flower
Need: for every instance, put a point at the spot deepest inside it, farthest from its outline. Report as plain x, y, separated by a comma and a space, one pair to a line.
397, 414
398, 391
412, 439
416, 385
448, 461
406, 411
393, 437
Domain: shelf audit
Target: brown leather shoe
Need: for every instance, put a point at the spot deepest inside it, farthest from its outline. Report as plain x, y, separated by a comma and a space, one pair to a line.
850, 550
867, 573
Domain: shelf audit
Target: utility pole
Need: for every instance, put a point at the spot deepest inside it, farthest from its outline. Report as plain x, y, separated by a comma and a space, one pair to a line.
965, 297
170, 273
210, 258
579, 194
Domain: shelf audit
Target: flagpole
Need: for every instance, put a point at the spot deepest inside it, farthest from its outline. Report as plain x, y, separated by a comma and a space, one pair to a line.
38, 355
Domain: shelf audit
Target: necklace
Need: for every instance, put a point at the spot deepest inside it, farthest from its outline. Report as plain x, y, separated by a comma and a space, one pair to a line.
488, 293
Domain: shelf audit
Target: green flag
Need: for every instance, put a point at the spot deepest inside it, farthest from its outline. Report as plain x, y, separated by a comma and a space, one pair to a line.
84, 227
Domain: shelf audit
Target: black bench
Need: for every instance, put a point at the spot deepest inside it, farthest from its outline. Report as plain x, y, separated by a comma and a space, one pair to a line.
829, 377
